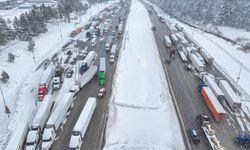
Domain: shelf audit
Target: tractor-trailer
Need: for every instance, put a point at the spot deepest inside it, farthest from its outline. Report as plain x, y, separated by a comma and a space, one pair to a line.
18, 137
198, 65
55, 120
81, 125
112, 54
102, 71
86, 77
183, 56
88, 61
208, 80
212, 102
210, 135
230, 96
208, 58
45, 82
109, 43
39, 122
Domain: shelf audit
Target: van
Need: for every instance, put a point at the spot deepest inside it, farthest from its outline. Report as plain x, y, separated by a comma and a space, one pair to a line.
167, 41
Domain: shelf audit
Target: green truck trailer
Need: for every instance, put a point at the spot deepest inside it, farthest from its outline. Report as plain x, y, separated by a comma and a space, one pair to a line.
102, 71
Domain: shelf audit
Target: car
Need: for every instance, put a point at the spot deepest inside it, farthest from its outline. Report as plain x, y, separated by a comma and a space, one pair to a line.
202, 117
162, 20
70, 73
101, 92
194, 136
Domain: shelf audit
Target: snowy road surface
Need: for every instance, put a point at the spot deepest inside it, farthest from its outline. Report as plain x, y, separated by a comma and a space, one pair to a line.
141, 114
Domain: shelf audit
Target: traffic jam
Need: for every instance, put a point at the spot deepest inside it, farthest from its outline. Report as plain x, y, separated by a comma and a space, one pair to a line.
82, 59
221, 97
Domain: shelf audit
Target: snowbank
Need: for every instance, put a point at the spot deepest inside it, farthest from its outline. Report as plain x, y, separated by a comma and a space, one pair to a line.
141, 114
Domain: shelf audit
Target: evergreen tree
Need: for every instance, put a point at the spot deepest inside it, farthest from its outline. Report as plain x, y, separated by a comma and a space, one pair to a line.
11, 57
60, 11
31, 44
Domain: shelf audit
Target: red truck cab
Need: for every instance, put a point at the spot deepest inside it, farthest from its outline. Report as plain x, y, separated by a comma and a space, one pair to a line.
42, 91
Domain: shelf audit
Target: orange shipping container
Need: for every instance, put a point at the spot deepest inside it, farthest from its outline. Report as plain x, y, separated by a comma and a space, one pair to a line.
213, 104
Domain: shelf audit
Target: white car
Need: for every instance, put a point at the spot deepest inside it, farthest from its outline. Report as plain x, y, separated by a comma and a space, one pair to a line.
101, 92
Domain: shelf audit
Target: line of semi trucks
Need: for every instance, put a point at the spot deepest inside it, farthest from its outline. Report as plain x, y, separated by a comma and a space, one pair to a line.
214, 90
48, 119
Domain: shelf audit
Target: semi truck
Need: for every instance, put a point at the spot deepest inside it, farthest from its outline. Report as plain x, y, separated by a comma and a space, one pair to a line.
102, 71
76, 31
58, 77
88, 61
243, 139
211, 137
112, 53
84, 79
230, 96
18, 137
208, 80
109, 43
55, 120
212, 102
39, 122
198, 65
81, 125
207, 57
45, 82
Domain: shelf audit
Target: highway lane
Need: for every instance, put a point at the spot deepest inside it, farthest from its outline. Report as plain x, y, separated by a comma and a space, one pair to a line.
94, 136
189, 100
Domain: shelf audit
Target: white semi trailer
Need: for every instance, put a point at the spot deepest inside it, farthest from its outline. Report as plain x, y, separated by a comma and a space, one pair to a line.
230, 96
198, 65
81, 125
39, 122
55, 120
18, 137
113, 53
213, 86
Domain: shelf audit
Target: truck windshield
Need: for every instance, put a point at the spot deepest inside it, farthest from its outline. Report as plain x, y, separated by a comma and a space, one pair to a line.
47, 140
29, 143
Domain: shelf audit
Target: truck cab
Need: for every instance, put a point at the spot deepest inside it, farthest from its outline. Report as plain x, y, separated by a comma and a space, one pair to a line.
56, 83
49, 136
75, 142
42, 91
32, 140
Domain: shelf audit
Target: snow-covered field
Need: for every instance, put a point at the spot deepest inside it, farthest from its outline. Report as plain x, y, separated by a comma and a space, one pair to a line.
141, 114
21, 90
228, 58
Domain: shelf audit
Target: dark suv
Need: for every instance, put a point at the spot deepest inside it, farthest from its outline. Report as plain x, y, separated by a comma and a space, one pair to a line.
194, 136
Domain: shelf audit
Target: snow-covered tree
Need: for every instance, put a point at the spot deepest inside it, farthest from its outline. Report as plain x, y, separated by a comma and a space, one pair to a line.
31, 44
11, 57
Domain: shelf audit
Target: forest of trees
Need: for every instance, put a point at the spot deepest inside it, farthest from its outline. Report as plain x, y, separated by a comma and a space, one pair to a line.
34, 22
234, 13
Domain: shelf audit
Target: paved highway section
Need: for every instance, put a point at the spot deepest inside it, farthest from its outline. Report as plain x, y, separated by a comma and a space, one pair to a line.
94, 136
188, 98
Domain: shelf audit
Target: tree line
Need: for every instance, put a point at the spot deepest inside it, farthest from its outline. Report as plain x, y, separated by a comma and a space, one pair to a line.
31, 24
234, 13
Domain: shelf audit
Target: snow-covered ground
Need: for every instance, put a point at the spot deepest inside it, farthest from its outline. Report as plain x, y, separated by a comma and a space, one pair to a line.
21, 90
228, 58
141, 114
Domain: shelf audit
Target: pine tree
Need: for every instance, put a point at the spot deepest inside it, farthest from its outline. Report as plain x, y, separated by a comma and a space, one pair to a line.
31, 44
60, 11
6, 33
11, 57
